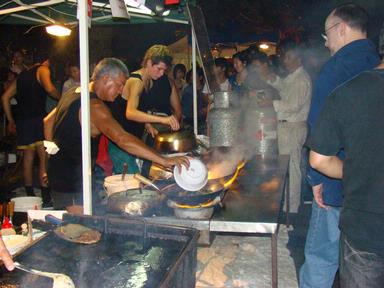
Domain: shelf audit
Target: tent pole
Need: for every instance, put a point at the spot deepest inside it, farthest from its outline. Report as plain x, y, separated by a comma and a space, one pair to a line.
85, 115
194, 79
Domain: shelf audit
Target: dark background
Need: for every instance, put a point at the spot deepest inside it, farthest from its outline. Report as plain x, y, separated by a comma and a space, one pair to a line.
227, 21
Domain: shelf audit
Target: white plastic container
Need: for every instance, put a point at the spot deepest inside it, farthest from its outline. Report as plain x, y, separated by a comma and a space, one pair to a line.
114, 184
194, 178
23, 204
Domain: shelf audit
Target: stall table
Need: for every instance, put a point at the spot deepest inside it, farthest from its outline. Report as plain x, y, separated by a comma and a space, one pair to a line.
252, 204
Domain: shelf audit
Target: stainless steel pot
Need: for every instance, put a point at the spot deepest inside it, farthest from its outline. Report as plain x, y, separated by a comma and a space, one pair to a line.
224, 127
225, 99
175, 142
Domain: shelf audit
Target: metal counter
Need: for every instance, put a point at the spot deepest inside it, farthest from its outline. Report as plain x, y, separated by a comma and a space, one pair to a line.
252, 204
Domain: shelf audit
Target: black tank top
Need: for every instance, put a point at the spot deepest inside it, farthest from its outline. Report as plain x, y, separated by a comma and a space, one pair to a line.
31, 96
157, 99
65, 167
159, 96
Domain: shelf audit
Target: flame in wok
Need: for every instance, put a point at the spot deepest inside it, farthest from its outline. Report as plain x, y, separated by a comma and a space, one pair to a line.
215, 187
230, 181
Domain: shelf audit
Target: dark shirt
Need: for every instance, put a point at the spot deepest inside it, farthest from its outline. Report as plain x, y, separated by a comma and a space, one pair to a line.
187, 105
118, 109
240, 89
349, 61
31, 96
159, 96
156, 99
65, 167
353, 120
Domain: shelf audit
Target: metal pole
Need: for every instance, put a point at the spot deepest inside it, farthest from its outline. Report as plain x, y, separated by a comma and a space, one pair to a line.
85, 115
274, 259
194, 79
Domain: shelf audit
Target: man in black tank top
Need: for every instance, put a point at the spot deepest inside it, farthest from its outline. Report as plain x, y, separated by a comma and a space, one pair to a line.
32, 87
62, 126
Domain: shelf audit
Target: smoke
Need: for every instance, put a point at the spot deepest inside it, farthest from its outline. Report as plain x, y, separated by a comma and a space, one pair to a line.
257, 121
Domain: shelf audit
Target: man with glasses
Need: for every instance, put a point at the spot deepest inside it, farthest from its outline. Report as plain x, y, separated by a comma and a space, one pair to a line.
345, 34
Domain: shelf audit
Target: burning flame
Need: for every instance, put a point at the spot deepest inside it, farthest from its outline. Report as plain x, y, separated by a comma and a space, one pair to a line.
214, 187
205, 204
230, 181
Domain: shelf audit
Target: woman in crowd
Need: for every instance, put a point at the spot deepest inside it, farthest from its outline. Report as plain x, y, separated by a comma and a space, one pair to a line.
17, 65
179, 78
237, 81
187, 102
220, 70
74, 77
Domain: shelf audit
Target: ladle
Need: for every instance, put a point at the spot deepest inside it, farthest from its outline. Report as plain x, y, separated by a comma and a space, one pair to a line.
59, 280
146, 181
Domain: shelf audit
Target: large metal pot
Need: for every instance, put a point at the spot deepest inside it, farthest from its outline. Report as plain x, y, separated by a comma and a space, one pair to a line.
225, 99
261, 130
175, 142
224, 127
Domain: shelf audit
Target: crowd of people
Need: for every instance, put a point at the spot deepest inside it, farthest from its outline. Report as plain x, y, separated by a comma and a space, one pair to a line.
338, 106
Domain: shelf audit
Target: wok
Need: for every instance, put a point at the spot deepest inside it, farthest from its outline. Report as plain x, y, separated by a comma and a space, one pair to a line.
173, 192
173, 142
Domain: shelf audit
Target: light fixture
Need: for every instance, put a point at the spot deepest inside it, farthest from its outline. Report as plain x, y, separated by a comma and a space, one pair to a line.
58, 30
264, 46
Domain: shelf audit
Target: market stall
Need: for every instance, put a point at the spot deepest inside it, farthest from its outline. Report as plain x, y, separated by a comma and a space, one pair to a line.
227, 201
88, 13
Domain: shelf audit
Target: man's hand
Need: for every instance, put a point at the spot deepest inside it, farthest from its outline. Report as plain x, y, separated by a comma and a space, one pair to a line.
151, 130
6, 257
172, 122
177, 161
318, 195
11, 128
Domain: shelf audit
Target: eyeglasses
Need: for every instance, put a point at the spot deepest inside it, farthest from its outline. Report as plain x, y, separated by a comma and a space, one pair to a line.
324, 35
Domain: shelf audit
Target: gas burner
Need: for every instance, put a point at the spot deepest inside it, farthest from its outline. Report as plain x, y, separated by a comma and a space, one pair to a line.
200, 211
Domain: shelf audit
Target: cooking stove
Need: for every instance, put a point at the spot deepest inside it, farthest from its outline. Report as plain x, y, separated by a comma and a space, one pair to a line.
131, 253
190, 209
168, 212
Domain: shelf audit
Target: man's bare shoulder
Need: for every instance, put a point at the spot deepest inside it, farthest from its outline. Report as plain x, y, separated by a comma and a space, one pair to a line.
43, 69
98, 104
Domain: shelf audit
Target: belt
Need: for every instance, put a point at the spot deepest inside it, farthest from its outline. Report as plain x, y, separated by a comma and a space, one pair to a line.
283, 121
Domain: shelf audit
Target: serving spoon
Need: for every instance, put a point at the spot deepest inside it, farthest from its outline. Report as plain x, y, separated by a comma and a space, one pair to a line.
146, 181
59, 280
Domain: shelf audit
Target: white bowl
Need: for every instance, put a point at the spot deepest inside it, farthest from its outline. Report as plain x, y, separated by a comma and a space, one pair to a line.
194, 178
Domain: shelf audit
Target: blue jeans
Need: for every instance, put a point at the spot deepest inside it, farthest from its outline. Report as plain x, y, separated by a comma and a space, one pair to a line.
359, 268
321, 248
